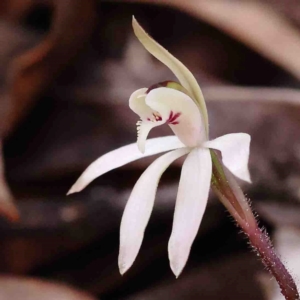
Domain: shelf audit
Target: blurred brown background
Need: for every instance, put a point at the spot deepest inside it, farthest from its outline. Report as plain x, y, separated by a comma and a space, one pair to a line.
67, 68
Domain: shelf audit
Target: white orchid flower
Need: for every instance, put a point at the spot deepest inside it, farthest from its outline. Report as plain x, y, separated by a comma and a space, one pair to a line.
182, 107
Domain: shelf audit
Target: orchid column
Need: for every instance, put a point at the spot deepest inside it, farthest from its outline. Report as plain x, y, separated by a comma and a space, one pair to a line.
181, 106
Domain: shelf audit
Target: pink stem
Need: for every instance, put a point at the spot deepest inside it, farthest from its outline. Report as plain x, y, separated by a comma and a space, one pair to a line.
229, 193
263, 246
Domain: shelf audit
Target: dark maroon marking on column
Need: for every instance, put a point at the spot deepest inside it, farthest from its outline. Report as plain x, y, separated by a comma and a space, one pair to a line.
157, 117
173, 119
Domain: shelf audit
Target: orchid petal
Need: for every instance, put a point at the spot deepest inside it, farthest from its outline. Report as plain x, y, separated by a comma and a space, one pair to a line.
180, 112
185, 77
138, 105
148, 121
235, 153
190, 205
139, 206
143, 129
122, 156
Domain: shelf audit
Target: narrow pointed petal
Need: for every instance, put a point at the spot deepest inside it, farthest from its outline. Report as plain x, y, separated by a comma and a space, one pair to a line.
139, 208
235, 148
180, 112
185, 77
122, 156
190, 206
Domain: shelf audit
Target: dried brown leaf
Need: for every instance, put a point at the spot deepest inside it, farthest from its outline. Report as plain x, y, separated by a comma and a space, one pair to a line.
34, 71
253, 23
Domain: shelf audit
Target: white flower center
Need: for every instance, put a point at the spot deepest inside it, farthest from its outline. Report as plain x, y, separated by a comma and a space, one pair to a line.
164, 105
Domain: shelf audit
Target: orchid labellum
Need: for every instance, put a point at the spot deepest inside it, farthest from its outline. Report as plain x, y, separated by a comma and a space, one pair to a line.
181, 106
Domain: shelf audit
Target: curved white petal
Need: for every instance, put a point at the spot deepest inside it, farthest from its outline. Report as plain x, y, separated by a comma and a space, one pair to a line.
122, 156
138, 105
149, 117
143, 129
139, 207
235, 148
185, 77
180, 112
190, 205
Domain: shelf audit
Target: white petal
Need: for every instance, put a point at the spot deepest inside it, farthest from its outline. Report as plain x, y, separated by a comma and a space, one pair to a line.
147, 114
190, 205
143, 129
235, 153
138, 105
188, 126
122, 156
139, 207
185, 77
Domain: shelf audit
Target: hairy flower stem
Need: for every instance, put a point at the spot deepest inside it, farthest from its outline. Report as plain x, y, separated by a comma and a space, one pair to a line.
229, 193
